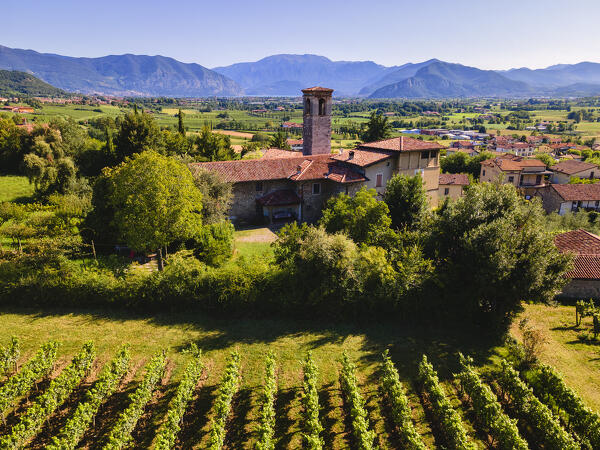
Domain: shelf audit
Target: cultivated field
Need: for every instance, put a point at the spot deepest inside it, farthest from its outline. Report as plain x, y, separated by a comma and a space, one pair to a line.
290, 341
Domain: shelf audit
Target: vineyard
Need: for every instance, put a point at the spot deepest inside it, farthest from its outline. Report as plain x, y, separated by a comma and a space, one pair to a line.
82, 403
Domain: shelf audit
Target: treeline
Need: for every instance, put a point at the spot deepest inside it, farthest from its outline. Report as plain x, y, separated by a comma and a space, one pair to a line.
471, 262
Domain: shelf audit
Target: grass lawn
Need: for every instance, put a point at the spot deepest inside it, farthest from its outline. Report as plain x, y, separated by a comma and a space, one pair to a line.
578, 361
14, 188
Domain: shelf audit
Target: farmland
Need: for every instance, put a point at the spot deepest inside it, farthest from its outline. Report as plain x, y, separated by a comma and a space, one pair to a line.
290, 341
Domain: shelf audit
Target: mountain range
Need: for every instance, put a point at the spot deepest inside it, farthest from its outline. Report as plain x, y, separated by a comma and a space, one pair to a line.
285, 75
15, 83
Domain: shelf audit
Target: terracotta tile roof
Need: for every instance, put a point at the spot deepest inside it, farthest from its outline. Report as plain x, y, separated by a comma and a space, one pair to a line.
579, 241
513, 164
295, 141
577, 192
402, 144
362, 158
586, 247
299, 168
571, 167
317, 89
454, 178
279, 198
279, 153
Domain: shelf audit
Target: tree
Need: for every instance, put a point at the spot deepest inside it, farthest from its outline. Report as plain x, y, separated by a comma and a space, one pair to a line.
377, 129
546, 159
407, 201
491, 252
362, 217
279, 140
216, 195
180, 127
214, 147
137, 132
155, 201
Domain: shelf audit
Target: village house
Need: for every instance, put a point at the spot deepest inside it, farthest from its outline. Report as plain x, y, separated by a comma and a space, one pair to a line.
452, 185
585, 277
528, 175
563, 171
564, 198
516, 148
295, 144
286, 185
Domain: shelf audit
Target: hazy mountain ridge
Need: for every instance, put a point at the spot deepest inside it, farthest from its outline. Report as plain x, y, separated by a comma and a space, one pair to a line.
287, 74
120, 74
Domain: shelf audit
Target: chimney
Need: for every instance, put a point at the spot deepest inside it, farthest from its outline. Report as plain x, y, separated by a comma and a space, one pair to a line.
350, 155
401, 143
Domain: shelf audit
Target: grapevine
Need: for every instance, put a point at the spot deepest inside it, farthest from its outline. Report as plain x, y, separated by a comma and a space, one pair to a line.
9, 356
168, 433
537, 415
488, 411
58, 391
400, 410
449, 420
70, 435
360, 420
227, 388
120, 435
310, 407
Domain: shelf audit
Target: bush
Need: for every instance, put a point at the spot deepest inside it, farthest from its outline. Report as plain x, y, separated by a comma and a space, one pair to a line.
214, 243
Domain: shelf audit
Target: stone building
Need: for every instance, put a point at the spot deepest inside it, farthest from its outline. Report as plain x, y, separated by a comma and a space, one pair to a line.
585, 277
286, 185
564, 198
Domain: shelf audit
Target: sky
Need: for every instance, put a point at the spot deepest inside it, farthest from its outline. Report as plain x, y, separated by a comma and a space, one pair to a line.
487, 34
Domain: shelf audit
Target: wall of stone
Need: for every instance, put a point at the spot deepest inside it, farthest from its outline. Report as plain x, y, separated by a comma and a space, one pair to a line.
316, 133
582, 289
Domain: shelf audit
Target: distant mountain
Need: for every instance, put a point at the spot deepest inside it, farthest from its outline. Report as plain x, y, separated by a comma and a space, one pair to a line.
346, 77
13, 82
120, 74
577, 90
440, 79
395, 75
559, 75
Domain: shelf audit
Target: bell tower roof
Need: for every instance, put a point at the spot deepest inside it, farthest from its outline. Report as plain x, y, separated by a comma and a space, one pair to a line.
317, 90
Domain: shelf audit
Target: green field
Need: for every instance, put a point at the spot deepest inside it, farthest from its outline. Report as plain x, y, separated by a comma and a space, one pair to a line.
14, 188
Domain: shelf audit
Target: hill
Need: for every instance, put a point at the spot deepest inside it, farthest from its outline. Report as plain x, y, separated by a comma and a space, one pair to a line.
440, 79
128, 74
285, 72
559, 75
395, 75
17, 83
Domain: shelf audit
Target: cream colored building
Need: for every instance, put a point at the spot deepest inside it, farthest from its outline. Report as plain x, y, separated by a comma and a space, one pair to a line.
527, 175
452, 185
563, 171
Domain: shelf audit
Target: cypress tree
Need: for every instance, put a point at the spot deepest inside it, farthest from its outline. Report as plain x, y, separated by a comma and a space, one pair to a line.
181, 128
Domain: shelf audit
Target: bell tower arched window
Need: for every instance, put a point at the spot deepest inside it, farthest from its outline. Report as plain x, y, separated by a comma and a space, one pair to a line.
307, 106
321, 106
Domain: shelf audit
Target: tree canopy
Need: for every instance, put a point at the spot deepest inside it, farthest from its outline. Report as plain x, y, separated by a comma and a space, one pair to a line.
378, 128
407, 200
155, 201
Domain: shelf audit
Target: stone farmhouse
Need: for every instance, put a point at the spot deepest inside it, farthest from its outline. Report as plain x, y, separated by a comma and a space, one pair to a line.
285, 185
585, 276
564, 198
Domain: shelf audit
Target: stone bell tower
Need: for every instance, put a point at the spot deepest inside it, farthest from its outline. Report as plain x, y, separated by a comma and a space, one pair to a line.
316, 133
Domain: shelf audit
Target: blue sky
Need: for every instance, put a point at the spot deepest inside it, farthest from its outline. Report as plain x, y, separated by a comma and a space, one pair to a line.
488, 34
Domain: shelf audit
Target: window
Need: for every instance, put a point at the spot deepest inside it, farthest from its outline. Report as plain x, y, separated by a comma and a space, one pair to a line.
592, 174
321, 106
424, 155
379, 180
511, 179
316, 188
259, 186
597, 203
419, 172
483, 173
446, 191
307, 106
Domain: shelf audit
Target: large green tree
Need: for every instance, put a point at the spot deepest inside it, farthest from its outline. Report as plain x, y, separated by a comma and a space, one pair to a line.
378, 128
155, 201
362, 217
214, 147
492, 252
137, 132
407, 201
217, 195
